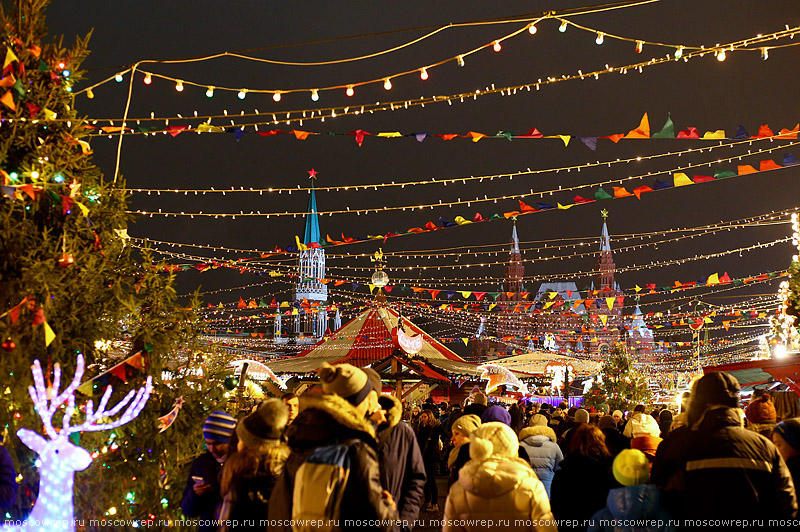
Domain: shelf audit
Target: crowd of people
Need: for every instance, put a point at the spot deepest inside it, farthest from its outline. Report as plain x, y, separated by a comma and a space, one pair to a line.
358, 457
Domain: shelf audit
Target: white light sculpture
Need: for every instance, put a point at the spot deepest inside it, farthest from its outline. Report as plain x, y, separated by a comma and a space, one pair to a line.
60, 458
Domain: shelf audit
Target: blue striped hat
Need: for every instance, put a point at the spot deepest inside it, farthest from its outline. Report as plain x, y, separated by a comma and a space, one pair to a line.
219, 427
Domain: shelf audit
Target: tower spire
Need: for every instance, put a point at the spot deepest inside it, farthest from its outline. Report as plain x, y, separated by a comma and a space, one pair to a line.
605, 262
312, 220
514, 239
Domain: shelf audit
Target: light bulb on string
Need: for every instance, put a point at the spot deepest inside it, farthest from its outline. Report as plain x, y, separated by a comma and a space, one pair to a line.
639, 46
423, 74
89, 94
460, 60
563, 26
148, 79
387, 84
179, 86
350, 90
241, 94
679, 52
497, 47
532, 29
315, 95
210, 92
118, 78
765, 53
721, 56
599, 39
276, 96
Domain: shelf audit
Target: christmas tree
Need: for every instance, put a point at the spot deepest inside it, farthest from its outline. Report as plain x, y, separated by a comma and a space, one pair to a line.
70, 284
618, 384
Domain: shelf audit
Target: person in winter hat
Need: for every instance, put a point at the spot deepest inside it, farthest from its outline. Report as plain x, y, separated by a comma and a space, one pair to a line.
615, 441
646, 434
478, 405
496, 413
665, 422
249, 475
761, 415
635, 502
462, 430
402, 470
703, 469
201, 496
544, 454
786, 438
337, 417
496, 484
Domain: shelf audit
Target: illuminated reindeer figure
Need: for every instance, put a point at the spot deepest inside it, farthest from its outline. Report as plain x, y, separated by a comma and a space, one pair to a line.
58, 456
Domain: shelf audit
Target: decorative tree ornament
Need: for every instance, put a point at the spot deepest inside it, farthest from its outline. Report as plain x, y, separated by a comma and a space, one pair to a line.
9, 345
59, 457
66, 260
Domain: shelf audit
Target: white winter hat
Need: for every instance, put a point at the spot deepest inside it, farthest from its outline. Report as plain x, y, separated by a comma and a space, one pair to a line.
493, 439
644, 425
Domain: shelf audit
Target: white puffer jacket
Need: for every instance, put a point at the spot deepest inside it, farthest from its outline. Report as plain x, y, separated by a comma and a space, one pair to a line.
498, 492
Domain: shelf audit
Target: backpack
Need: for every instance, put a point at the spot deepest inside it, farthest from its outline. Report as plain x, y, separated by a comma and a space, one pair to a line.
318, 489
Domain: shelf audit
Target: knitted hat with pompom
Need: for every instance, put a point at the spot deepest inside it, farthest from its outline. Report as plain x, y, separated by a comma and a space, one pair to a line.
493, 439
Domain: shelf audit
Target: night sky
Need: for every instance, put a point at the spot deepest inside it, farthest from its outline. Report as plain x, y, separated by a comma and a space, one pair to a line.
703, 92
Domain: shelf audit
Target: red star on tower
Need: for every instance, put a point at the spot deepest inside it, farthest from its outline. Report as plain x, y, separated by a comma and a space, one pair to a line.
312, 174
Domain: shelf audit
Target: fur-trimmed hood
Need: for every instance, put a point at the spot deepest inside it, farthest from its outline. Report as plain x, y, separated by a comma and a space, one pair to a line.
538, 431
327, 418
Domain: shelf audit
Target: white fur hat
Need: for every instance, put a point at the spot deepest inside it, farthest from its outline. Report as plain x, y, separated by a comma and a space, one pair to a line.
493, 439
644, 425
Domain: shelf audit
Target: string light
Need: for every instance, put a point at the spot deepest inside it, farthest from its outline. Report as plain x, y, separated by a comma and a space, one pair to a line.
118, 78
765, 53
423, 74
496, 46
387, 84
639, 46
242, 94
210, 92
276, 96
148, 79
678, 52
90, 94
563, 26
179, 86
460, 60
599, 39
721, 56
532, 29
315, 95
349, 90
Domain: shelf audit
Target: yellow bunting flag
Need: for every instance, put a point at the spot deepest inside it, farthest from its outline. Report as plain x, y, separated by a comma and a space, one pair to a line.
208, 128
466, 295
565, 139
679, 179
713, 279
460, 220
638, 288
301, 247
552, 295
390, 134
565, 207
492, 306
718, 134
10, 58
371, 288
604, 319
641, 132
49, 335
84, 209
610, 302
465, 340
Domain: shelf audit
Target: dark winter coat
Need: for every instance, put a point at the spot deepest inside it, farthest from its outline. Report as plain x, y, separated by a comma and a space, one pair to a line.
327, 419
401, 467
475, 408
722, 470
8, 482
428, 438
793, 464
248, 497
630, 504
580, 488
203, 507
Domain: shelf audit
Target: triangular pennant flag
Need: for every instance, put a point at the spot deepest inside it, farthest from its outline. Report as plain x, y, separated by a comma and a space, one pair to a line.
769, 164
667, 130
10, 58
744, 169
641, 132
8, 100
712, 279
475, 136
466, 295
565, 139
465, 340
300, 135
741, 133
610, 302
638, 191
614, 138
789, 133
420, 136
621, 192
689, 133
49, 335
763, 132
718, 134
679, 179
604, 319
565, 207
601, 194
390, 134
590, 142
